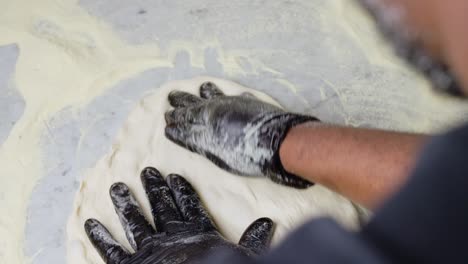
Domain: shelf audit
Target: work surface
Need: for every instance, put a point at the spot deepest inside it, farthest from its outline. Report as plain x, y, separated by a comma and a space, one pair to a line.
70, 72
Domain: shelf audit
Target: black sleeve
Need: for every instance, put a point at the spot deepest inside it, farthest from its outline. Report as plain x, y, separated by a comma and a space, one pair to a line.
319, 241
426, 222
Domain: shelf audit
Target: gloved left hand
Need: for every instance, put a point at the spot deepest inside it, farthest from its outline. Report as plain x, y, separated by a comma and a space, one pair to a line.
184, 230
240, 134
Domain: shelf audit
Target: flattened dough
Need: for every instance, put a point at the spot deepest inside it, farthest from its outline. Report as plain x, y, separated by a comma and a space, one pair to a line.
233, 201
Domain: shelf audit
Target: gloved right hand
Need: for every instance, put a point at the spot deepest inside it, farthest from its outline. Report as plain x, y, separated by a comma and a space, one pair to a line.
184, 233
240, 134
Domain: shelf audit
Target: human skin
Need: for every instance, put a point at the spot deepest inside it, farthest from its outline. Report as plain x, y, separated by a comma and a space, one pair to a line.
368, 165
362, 164
442, 28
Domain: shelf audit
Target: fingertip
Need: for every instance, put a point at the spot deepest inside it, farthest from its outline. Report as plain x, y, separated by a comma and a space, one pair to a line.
267, 224
150, 177
209, 90
94, 229
264, 223
108, 248
172, 96
258, 235
173, 133
179, 185
169, 117
179, 99
265, 220
173, 93
173, 180
90, 224
150, 172
169, 131
118, 189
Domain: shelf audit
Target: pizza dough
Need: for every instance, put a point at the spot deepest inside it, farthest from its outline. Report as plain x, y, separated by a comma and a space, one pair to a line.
233, 201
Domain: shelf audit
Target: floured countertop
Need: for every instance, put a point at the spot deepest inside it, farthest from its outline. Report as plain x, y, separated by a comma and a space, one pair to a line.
70, 72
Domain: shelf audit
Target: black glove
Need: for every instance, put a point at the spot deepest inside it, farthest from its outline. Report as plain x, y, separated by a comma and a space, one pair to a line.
184, 230
240, 134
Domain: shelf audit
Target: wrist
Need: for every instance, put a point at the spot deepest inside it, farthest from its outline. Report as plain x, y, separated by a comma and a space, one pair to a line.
292, 149
275, 170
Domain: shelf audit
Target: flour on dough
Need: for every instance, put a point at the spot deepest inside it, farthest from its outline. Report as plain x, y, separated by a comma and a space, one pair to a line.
233, 201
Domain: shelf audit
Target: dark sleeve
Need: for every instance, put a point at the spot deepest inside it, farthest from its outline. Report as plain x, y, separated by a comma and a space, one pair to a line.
426, 222
319, 241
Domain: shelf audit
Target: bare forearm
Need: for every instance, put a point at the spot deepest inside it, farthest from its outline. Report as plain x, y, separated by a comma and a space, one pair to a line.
362, 164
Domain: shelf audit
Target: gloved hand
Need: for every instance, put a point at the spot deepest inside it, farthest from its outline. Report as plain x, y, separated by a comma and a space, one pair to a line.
184, 230
240, 134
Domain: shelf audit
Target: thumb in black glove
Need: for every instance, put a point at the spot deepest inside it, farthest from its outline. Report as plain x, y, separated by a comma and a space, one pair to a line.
240, 134
184, 230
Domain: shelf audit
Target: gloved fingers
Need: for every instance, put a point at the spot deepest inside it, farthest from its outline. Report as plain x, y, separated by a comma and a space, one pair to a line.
180, 135
189, 203
174, 133
209, 90
163, 207
257, 236
182, 99
183, 129
108, 248
188, 115
171, 116
137, 228
177, 116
